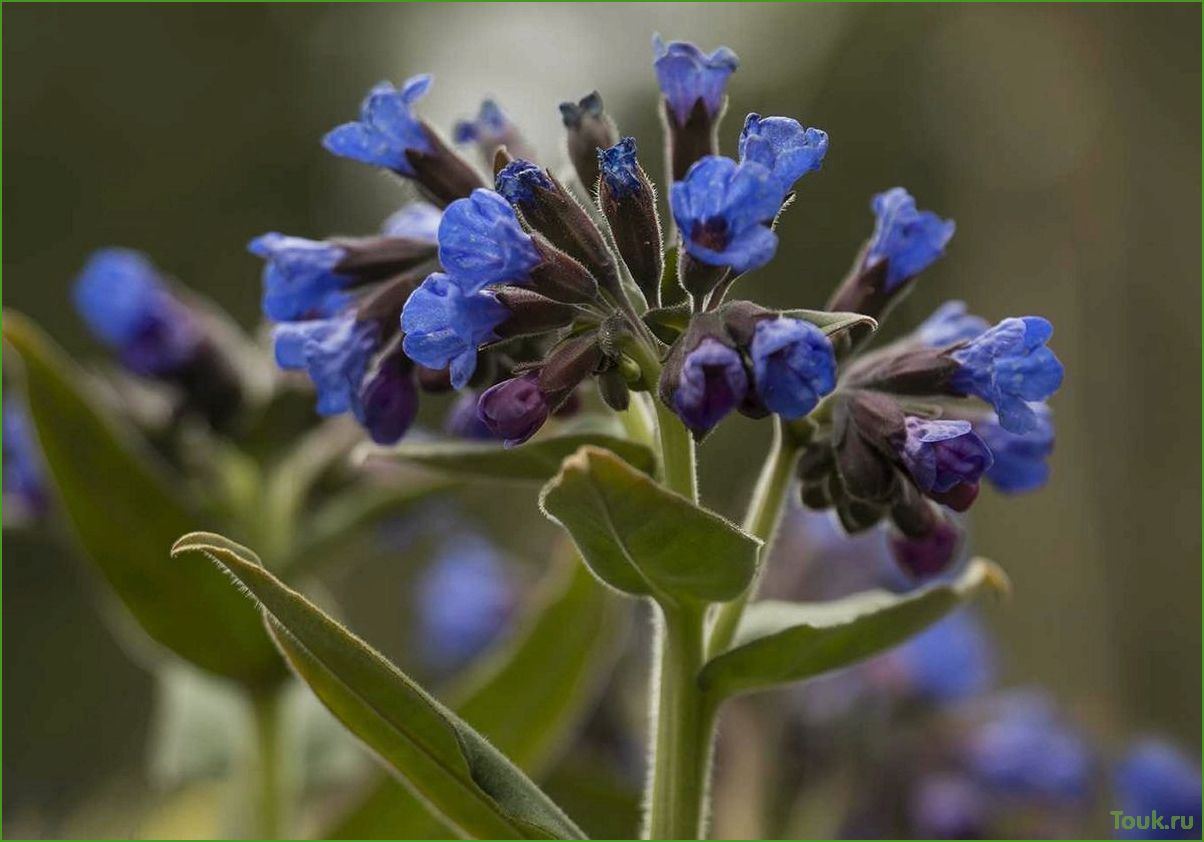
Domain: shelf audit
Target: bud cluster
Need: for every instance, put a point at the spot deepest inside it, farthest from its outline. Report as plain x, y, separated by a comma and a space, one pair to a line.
522, 293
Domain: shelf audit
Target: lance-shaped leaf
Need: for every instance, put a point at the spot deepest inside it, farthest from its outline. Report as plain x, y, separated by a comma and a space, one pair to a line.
126, 509
643, 539
780, 642
526, 697
859, 326
442, 759
537, 461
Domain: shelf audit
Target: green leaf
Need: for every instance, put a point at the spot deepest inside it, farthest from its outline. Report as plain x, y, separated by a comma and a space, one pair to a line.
126, 510
526, 698
668, 323
641, 538
443, 760
671, 291
537, 461
858, 325
780, 642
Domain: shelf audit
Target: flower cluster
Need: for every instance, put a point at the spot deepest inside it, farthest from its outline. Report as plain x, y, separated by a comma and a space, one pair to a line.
157, 332
523, 292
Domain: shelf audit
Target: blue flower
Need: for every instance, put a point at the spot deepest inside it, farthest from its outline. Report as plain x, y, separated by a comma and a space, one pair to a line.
793, 365
908, 239
124, 301
1155, 777
491, 127
1020, 460
299, 278
620, 169
335, 352
1009, 366
463, 422
519, 180
723, 209
387, 402
782, 146
949, 324
514, 409
951, 660
24, 488
686, 75
482, 243
465, 599
1026, 750
416, 220
444, 325
712, 383
941, 455
387, 128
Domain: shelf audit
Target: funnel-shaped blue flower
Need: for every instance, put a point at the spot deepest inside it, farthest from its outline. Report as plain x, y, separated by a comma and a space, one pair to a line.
482, 243
298, 277
387, 128
783, 146
723, 210
335, 352
793, 365
908, 239
444, 326
686, 75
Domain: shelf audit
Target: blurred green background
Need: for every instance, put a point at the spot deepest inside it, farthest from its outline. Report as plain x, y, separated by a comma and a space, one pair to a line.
1065, 141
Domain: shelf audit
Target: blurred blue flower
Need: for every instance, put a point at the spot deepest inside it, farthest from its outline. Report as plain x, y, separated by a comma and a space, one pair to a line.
416, 220
712, 383
908, 239
793, 365
299, 278
1155, 777
949, 324
1008, 366
465, 598
125, 302
686, 75
1020, 460
783, 146
1025, 749
619, 168
482, 243
723, 210
462, 420
948, 806
335, 352
387, 128
951, 660
444, 325
518, 180
24, 488
489, 129
942, 454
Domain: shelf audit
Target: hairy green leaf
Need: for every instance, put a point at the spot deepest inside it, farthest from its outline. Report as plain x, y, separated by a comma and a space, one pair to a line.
859, 326
125, 508
526, 697
668, 323
641, 538
537, 461
443, 760
780, 642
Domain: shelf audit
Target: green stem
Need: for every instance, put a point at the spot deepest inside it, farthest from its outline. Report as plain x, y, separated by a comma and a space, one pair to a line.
764, 512
265, 709
677, 445
685, 721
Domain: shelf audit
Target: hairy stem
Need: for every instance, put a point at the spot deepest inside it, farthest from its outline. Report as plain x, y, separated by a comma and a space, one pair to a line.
265, 709
761, 520
685, 717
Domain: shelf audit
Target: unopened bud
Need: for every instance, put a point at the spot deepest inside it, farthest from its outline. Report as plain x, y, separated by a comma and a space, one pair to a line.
530, 313
628, 201
589, 129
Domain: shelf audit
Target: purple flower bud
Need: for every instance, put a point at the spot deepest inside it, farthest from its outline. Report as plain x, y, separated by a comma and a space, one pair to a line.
514, 409
930, 554
712, 383
387, 402
943, 454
